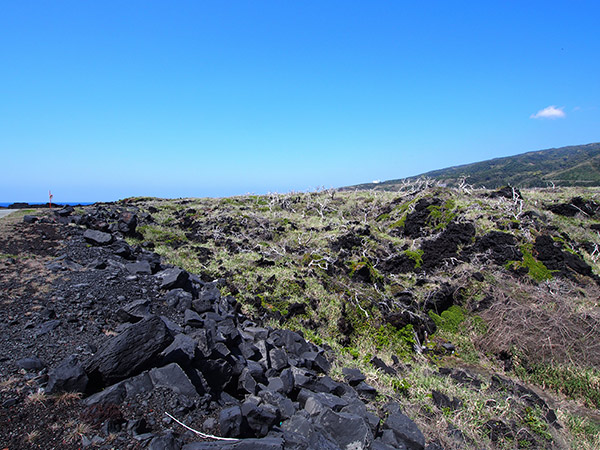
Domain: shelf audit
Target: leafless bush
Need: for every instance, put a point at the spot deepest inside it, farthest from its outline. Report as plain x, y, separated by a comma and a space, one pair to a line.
546, 324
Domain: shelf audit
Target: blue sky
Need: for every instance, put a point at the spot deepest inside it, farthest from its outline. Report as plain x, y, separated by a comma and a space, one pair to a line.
105, 100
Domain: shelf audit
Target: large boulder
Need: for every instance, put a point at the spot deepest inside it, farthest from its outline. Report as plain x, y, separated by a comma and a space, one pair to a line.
69, 376
128, 353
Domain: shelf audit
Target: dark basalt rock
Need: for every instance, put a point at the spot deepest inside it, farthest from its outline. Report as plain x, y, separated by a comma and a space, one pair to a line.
405, 431
69, 376
31, 363
230, 421
353, 376
129, 353
508, 192
436, 251
442, 401
96, 237
577, 205
173, 278
501, 246
346, 430
416, 222
267, 443
174, 378
551, 254
442, 299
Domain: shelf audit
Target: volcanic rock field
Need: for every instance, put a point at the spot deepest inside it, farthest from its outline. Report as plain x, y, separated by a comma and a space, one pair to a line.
408, 320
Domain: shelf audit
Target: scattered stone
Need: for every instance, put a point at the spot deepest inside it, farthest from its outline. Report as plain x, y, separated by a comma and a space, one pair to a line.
32, 363
96, 237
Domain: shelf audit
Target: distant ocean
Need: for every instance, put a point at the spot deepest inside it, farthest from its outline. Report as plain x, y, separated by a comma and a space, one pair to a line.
7, 204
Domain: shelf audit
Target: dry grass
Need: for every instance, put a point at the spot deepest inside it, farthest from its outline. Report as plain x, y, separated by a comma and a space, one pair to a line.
66, 398
548, 323
33, 436
37, 398
77, 431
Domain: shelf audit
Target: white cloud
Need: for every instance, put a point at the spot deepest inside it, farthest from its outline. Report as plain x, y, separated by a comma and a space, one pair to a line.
551, 112
376, 181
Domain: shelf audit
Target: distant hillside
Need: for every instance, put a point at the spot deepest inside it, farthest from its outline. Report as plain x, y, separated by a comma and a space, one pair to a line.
567, 166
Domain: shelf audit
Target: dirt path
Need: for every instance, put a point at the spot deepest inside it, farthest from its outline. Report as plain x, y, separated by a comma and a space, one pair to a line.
6, 212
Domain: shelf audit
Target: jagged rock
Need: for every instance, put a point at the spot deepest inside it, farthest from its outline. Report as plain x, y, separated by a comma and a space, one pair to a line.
46, 327
284, 383
173, 278
218, 373
378, 363
509, 192
30, 219
192, 319
128, 353
134, 311
551, 254
181, 351
246, 382
139, 267
69, 376
330, 401
166, 442
292, 342
502, 247
405, 431
173, 378
284, 406
347, 430
461, 376
179, 299
259, 418
366, 390
267, 443
230, 421
315, 360
436, 251
65, 211
127, 223
96, 237
353, 376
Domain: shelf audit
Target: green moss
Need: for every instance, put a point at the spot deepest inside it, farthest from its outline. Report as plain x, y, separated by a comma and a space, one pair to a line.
161, 235
401, 386
399, 341
441, 216
535, 269
351, 351
450, 319
399, 223
416, 256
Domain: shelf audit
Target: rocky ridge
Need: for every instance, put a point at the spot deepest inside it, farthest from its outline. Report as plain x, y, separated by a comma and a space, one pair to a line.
180, 348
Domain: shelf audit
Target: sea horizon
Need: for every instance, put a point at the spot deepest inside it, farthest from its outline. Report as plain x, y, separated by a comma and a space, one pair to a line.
7, 204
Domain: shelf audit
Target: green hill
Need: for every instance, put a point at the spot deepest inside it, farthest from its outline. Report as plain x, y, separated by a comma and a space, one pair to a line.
566, 166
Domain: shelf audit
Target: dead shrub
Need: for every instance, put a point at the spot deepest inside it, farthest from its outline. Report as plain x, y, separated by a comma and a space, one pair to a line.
547, 323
